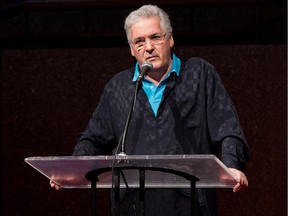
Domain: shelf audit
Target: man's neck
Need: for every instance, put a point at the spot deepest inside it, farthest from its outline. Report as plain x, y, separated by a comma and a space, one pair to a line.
156, 76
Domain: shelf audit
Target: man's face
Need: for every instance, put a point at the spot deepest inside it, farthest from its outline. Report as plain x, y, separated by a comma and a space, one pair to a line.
157, 44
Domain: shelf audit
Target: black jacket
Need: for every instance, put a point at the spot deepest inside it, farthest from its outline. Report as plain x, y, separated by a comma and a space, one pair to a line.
195, 116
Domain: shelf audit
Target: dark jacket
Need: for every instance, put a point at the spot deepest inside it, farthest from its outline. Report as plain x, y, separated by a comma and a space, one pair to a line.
195, 116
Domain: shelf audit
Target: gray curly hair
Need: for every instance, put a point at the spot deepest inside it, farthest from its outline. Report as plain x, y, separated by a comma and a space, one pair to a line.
148, 11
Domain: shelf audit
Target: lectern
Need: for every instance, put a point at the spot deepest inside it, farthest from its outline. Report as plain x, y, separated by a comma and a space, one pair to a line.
135, 171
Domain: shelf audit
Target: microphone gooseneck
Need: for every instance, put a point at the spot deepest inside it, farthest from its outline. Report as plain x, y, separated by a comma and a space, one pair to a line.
146, 67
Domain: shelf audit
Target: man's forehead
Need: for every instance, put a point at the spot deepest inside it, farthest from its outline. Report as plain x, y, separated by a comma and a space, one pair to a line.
146, 26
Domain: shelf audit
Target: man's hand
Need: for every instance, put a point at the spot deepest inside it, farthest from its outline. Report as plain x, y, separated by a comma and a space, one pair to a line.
54, 185
242, 181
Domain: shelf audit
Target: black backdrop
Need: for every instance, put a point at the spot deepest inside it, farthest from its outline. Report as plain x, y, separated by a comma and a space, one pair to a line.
50, 86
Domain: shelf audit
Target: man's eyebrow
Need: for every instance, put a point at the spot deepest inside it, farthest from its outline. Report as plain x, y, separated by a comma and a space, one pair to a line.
154, 34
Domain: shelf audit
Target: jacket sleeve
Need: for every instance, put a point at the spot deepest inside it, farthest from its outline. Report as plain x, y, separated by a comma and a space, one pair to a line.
98, 138
223, 123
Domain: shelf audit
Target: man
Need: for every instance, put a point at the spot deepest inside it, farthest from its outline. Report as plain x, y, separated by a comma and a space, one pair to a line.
182, 108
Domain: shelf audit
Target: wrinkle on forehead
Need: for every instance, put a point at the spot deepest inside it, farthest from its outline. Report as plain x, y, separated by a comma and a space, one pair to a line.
145, 27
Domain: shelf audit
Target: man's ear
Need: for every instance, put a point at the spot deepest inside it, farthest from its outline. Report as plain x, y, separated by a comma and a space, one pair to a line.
171, 41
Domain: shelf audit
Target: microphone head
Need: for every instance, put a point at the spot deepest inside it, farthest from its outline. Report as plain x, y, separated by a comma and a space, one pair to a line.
147, 67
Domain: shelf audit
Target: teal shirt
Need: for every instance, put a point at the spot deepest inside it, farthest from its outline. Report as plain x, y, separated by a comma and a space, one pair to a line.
153, 92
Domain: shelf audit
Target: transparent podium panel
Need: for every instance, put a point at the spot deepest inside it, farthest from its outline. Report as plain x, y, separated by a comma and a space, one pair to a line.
70, 171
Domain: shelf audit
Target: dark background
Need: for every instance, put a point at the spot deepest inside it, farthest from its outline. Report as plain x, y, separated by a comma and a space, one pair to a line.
56, 57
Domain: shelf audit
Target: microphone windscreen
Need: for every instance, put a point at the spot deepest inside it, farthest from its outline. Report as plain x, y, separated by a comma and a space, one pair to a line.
146, 66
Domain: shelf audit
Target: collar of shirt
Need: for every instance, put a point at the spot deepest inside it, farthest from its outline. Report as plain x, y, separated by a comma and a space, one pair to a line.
155, 93
176, 65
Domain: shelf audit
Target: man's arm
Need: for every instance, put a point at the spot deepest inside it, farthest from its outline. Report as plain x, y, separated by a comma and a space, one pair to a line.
224, 128
234, 157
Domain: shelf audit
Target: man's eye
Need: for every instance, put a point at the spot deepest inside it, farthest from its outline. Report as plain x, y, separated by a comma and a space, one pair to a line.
137, 42
156, 38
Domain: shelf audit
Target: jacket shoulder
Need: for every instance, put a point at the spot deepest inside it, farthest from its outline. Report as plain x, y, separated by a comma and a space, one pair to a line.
197, 62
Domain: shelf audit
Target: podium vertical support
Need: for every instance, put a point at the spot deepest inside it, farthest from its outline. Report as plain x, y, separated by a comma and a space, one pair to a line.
142, 192
193, 197
116, 180
94, 197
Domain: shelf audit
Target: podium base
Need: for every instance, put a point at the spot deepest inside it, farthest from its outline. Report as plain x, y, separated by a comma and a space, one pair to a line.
93, 175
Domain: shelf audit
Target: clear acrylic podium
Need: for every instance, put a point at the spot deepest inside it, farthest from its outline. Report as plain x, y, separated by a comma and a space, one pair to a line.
140, 171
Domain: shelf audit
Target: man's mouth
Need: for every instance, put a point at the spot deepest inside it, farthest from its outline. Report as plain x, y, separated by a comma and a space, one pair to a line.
151, 58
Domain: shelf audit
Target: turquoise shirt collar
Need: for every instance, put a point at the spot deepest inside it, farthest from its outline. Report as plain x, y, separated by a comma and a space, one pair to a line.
176, 64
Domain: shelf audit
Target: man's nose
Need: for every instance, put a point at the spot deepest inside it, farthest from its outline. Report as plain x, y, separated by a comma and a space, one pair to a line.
149, 45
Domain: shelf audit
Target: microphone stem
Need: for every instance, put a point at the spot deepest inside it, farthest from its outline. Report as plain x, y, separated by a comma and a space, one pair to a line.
138, 83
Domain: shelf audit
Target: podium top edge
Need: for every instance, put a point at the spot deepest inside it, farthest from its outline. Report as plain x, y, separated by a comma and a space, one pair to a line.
111, 157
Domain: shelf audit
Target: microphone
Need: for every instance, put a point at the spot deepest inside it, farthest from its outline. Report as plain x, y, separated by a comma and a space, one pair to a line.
145, 69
